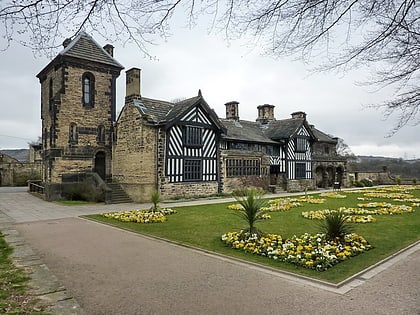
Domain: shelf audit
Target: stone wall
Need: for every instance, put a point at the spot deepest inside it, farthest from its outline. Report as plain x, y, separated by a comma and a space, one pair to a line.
301, 185
188, 189
377, 178
66, 108
134, 155
63, 166
15, 173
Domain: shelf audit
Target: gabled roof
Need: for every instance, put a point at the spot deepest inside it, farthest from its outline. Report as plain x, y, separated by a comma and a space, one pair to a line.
182, 106
284, 129
166, 113
83, 46
247, 131
321, 136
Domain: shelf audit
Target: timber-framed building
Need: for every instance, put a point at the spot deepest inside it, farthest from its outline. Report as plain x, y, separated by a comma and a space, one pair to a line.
181, 149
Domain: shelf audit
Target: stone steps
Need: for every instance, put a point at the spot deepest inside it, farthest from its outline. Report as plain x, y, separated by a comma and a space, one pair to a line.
118, 194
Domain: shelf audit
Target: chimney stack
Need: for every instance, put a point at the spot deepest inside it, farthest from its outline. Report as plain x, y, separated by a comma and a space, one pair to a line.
109, 49
66, 42
297, 115
232, 111
132, 84
265, 113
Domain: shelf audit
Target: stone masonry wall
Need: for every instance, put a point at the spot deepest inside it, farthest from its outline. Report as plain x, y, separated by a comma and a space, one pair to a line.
72, 110
301, 185
188, 189
134, 155
61, 166
67, 108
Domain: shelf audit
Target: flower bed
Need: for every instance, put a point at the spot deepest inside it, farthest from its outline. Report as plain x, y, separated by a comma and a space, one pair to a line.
140, 216
283, 204
334, 194
361, 215
309, 251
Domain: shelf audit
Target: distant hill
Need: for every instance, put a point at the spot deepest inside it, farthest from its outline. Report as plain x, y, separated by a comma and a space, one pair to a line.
22, 155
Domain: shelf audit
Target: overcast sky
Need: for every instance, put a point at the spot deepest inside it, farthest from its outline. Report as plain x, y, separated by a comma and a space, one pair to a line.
191, 60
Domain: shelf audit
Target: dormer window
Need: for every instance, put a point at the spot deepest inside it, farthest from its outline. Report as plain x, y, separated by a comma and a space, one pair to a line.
88, 87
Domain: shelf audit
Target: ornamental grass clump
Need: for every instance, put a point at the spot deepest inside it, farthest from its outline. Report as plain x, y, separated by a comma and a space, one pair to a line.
155, 199
250, 210
335, 226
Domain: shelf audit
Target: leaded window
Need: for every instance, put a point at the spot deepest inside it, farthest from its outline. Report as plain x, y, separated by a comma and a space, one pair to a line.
193, 136
301, 144
300, 170
192, 170
242, 167
88, 88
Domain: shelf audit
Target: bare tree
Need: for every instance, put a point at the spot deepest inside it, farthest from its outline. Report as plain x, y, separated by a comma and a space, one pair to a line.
344, 150
336, 34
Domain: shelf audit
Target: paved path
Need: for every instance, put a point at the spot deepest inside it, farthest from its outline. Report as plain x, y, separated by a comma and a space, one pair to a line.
110, 271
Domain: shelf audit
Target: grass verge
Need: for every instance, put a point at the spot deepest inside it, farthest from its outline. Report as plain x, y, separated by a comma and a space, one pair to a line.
202, 227
14, 296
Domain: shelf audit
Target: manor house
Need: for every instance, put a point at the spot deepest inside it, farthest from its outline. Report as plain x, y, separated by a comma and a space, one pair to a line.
182, 148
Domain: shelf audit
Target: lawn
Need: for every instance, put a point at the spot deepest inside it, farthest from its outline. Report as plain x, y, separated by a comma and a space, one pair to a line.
203, 226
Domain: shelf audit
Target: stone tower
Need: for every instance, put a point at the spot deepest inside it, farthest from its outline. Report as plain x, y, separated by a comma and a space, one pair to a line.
78, 109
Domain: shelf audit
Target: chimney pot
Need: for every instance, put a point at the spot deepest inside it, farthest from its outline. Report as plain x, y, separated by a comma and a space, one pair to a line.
265, 113
66, 42
109, 49
232, 111
299, 114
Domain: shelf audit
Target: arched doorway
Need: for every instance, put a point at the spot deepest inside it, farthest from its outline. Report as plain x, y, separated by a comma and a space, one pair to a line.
330, 176
100, 164
320, 177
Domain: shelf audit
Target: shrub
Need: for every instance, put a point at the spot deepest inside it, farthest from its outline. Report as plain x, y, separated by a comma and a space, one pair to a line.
335, 226
367, 182
359, 183
85, 191
414, 181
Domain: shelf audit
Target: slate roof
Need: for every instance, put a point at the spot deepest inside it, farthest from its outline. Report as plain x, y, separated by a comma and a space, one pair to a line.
155, 109
181, 107
163, 112
284, 129
83, 46
321, 136
243, 130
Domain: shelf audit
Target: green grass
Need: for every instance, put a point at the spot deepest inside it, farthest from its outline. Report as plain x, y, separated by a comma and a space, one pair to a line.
202, 227
14, 296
